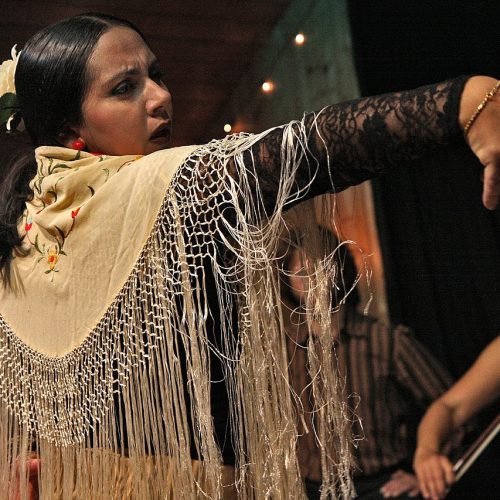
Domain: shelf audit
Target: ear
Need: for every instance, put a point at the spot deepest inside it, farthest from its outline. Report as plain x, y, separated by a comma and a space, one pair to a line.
68, 136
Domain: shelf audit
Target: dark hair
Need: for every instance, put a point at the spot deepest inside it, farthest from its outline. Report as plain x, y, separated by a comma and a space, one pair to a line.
51, 83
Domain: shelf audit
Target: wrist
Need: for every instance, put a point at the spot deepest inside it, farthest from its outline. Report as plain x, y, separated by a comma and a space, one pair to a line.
423, 452
473, 94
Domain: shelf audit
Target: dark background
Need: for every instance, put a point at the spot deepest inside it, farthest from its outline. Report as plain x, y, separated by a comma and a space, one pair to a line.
441, 247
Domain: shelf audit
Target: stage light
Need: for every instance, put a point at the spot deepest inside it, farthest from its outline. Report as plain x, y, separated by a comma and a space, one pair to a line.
267, 87
300, 39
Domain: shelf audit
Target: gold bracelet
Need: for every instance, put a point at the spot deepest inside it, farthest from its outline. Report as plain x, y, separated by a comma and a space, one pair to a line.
484, 102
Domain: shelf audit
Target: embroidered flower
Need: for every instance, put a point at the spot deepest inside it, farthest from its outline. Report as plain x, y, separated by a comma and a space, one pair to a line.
52, 258
49, 189
29, 223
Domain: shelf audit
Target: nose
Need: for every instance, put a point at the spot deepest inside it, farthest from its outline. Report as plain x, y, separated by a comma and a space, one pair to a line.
159, 100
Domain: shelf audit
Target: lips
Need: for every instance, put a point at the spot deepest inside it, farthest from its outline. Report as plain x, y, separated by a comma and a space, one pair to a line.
161, 132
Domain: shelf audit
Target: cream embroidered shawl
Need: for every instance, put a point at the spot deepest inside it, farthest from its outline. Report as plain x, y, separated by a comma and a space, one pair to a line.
94, 312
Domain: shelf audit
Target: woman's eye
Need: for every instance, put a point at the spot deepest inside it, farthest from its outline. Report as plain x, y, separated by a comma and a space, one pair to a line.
123, 88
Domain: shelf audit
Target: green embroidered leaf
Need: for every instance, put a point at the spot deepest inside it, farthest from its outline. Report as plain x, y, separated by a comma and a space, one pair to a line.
63, 236
37, 185
106, 173
62, 252
77, 156
92, 190
57, 182
48, 271
58, 166
36, 244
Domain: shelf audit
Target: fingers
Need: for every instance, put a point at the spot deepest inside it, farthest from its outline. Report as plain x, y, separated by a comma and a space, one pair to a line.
448, 473
435, 475
491, 188
400, 482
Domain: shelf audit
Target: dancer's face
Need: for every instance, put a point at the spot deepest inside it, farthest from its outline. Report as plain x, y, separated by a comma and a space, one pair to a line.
127, 108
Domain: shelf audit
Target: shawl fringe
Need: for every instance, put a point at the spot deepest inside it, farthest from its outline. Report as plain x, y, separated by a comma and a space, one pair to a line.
63, 410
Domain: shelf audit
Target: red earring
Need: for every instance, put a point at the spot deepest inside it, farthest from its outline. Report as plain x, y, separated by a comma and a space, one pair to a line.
79, 144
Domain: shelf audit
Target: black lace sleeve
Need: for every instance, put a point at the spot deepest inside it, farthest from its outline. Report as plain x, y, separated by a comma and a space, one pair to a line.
340, 146
357, 140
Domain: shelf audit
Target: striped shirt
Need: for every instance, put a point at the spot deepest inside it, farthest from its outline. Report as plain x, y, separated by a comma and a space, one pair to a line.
388, 373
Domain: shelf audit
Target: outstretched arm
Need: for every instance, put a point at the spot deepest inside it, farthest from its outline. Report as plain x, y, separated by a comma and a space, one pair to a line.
345, 144
350, 142
477, 388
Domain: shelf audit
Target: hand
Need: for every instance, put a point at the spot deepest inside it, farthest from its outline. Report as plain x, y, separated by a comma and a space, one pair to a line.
487, 148
400, 482
484, 134
435, 474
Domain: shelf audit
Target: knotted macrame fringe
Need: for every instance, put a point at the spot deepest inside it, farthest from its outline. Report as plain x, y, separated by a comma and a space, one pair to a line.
145, 367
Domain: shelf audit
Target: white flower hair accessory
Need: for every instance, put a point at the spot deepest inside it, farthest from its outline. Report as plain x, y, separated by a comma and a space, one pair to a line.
9, 108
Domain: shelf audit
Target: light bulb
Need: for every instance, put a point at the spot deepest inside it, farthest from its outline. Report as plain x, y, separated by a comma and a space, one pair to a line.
267, 87
300, 39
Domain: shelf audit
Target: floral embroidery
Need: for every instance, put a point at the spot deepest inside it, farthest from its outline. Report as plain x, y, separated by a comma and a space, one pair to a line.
49, 254
52, 258
42, 173
28, 226
48, 187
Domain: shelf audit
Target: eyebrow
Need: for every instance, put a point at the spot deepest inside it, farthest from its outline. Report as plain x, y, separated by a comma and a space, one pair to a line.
131, 72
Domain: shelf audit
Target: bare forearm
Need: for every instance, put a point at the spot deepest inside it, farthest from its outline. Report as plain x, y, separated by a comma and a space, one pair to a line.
434, 471
435, 427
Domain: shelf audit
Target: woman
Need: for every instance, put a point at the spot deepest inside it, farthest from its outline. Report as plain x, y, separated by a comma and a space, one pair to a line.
476, 389
138, 320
